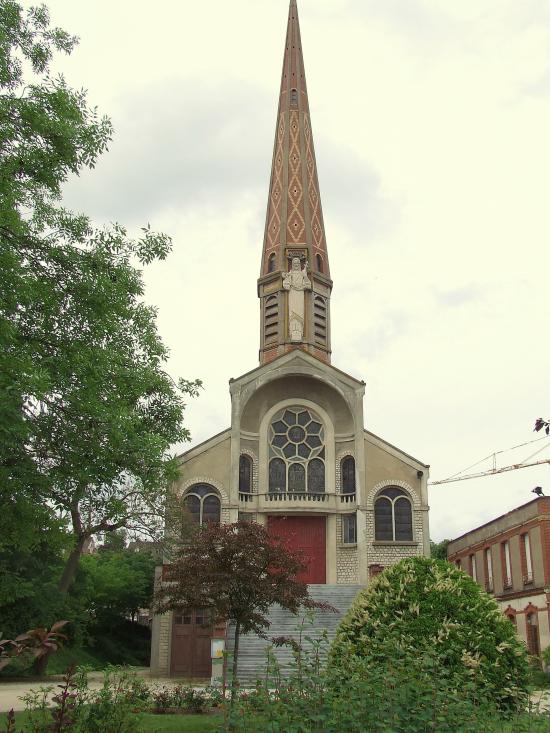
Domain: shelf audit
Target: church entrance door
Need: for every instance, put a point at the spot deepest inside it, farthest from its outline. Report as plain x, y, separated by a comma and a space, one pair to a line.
191, 655
308, 535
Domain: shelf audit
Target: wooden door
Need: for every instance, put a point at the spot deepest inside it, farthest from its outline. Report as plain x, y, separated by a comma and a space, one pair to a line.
191, 645
308, 536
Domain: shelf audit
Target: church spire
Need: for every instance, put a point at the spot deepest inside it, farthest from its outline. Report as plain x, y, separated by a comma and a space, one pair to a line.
294, 284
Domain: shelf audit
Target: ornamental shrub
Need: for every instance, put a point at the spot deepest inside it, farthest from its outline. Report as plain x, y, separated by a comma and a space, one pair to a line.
422, 606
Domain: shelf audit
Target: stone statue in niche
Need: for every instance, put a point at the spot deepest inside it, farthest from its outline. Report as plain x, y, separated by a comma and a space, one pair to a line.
296, 282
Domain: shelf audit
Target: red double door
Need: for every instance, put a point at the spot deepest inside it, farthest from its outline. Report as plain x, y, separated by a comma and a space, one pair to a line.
308, 535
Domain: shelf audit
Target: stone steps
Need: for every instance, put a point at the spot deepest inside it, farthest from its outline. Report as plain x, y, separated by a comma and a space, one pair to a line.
252, 648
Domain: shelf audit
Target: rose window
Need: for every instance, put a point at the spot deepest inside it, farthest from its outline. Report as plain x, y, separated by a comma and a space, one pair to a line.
297, 452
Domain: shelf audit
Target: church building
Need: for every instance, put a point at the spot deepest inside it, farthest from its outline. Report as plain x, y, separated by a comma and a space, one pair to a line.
297, 456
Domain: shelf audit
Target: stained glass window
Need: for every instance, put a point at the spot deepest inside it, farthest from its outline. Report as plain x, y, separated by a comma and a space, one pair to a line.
347, 470
277, 475
316, 476
245, 474
296, 443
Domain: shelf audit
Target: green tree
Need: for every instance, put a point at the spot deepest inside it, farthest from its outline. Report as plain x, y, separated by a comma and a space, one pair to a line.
88, 413
118, 583
438, 550
422, 606
236, 571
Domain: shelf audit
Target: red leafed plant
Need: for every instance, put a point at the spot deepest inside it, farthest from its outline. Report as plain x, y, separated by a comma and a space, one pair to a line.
40, 642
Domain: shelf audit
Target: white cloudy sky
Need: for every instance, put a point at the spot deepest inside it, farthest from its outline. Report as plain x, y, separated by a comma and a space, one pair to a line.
432, 129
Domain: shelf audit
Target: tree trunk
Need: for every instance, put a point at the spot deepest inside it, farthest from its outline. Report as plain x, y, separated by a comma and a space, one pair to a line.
71, 565
40, 665
234, 678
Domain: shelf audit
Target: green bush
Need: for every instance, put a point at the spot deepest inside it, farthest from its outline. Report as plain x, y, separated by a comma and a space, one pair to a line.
404, 692
429, 607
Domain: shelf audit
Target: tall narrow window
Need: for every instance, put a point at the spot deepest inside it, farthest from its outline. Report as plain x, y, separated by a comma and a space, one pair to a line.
347, 472
319, 261
296, 477
316, 476
271, 262
393, 516
506, 565
320, 319
245, 474
277, 476
271, 318
533, 641
349, 529
488, 569
473, 568
293, 97
528, 569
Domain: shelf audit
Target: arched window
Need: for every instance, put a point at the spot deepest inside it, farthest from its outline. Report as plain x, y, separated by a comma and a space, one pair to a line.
319, 261
203, 503
316, 476
393, 516
271, 262
294, 97
245, 474
347, 472
277, 476
297, 451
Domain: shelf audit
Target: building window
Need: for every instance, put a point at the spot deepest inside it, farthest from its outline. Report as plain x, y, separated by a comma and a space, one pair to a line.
488, 569
349, 529
320, 319
347, 472
246, 517
458, 563
393, 516
533, 642
271, 318
319, 261
203, 504
297, 451
473, 568
526, 559
245, 474
506, 565
271, 262
277, 476
293, 97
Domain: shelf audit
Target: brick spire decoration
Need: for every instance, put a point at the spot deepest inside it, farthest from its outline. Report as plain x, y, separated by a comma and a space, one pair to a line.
294, 223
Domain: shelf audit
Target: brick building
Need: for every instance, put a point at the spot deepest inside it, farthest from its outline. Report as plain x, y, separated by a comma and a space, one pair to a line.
297, 456
510, 557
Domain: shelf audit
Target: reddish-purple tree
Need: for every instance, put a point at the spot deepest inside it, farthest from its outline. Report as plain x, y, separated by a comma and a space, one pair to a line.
236, 571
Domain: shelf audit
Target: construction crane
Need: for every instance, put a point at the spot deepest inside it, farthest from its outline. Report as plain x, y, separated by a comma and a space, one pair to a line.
526, 463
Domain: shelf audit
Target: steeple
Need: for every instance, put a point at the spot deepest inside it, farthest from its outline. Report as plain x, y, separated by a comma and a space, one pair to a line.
294, 284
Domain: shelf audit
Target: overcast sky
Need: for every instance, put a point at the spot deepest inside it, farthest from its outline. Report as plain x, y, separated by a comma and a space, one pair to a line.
431, 121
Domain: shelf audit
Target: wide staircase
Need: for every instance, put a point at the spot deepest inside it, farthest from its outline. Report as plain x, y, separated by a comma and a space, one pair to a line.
252, 648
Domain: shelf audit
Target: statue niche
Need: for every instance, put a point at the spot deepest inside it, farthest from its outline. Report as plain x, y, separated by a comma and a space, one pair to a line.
296, 282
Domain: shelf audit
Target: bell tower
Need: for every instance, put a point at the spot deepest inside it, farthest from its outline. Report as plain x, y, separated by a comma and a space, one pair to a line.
294, 286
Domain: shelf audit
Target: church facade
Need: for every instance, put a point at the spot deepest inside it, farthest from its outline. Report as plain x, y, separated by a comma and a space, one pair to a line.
297, 456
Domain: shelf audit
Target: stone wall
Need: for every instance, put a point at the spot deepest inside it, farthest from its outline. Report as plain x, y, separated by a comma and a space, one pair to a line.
346, 559
388, 553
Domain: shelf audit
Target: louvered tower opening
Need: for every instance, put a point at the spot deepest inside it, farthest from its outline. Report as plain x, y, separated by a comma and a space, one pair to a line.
320, 320
271, 318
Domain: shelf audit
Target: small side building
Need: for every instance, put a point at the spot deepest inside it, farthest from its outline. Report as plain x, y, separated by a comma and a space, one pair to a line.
510, 557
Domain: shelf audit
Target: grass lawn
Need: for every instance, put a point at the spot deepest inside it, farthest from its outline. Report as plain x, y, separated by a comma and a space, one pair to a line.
152, 723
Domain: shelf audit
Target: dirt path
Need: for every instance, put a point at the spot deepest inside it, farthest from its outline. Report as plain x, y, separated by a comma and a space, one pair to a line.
11, 692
